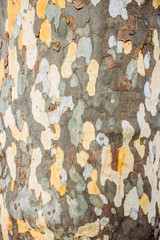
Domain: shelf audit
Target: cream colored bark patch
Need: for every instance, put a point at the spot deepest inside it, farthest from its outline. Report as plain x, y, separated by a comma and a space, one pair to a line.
139, 147
10, 122
11, 152
40, 7
56, 169
92, 186
4, 219
128, 132
92, 71
28, 36
145, 130
33, 183
144, 202
54, 79
125, 163
140, 64
139, 2
1, 72
82, 158
156, 3
48, 135
40, 115
13, 70
127, 47
156, 50
45, 32
38, 107
88, 230
151, 103
131, 201
61, 3
151, 169
88, 134
66, 70
125, 166
2, 139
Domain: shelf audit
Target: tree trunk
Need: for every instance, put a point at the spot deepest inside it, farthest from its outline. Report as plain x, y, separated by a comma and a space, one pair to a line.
80, 119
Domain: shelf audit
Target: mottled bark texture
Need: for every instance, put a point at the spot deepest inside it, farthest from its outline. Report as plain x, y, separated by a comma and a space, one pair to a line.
79, 119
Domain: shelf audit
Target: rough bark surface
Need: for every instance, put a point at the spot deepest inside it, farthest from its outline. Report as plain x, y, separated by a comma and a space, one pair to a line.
79, 119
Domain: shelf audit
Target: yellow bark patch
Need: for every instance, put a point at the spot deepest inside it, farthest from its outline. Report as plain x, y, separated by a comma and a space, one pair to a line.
88, 230
20, 39
36, 234
12, 186
88, 134
56, 169
66, 70
45, 32
13, 70
1, 72
139, 147
22, 226
61, 3
82, 158
92, 71
40, 7
92, 186
12, 11
144, 202
156, 3
62, 190
140, 64
127, 46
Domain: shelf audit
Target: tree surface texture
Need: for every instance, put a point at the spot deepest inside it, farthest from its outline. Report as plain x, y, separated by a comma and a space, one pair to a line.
79, 119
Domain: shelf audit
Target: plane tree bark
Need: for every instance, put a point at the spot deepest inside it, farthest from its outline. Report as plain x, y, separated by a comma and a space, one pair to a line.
79, 119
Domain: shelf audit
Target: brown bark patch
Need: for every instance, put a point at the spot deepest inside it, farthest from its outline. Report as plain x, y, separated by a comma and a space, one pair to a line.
71, 157
114, 151
123, 34
124, 83
110, 60
36, 68
72, 25
132, 24
96, 156
20, 172
56, 46
139, 168
136, 52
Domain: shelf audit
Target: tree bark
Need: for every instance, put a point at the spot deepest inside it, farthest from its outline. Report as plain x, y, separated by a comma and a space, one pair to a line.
79, 119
